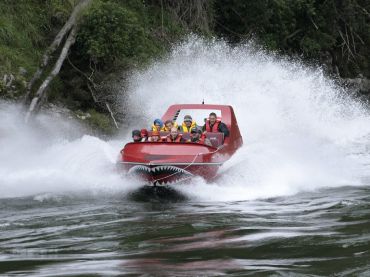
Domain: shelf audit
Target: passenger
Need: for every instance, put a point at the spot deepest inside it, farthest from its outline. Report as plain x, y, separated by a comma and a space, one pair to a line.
144, 135
188, 124
196, 136
156, 137
157, 125
168, 124
136, 136
213, 125
174, 136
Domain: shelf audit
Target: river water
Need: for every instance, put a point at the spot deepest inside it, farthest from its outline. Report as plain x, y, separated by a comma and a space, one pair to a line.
321, 233
294, 201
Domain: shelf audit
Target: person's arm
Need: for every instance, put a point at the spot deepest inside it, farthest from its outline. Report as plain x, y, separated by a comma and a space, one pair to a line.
223, 129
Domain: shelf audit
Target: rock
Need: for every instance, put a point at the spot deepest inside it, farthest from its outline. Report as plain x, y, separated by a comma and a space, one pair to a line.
361, 83
83, 116
8, 80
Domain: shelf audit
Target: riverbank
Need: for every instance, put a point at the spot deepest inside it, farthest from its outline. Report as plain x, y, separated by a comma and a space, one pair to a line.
116, 38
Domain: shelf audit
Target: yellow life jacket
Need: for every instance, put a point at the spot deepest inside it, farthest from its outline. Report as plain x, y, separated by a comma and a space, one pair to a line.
164, 129
185, 128
154, 128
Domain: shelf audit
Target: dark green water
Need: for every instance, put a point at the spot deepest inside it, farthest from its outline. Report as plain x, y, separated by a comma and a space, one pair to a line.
322, 233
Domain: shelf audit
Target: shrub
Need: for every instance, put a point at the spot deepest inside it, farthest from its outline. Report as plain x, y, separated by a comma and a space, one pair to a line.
109, 32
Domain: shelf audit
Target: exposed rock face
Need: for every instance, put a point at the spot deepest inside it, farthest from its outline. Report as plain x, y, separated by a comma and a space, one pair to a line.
12, 85
361, 83
8, 80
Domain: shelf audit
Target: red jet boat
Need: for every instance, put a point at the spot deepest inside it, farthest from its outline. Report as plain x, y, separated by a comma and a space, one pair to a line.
163, 163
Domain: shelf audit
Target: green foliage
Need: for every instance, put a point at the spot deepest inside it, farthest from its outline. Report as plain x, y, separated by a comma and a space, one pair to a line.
110, 31
25, 28
313, 28
55, 87
2, 87
99, 121
116, 36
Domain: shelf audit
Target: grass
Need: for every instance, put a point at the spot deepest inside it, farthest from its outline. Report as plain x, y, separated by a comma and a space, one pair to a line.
25, 29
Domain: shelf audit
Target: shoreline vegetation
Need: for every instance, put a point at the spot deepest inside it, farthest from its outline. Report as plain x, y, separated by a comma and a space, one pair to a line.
104, 40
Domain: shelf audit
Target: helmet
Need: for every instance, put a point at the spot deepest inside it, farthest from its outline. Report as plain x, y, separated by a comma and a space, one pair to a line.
136, 133
188, 118
196, 130
158, 121
168, 121
144, 132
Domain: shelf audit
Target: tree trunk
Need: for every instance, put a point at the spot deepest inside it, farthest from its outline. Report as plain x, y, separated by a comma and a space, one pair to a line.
112, 115
35, 103
54, 46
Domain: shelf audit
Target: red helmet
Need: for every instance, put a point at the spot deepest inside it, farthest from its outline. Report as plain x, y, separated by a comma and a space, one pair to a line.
144, 132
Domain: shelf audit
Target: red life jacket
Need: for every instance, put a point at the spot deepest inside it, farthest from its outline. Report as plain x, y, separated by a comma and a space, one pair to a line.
178, 138
201, 140
214, 128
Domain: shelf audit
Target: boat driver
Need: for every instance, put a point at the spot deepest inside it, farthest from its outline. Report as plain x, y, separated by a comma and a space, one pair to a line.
214, 125
196, 136
188, 124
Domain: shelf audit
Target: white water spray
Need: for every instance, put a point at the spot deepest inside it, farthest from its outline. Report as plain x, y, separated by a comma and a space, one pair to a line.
299, 132
53, 155
299, 129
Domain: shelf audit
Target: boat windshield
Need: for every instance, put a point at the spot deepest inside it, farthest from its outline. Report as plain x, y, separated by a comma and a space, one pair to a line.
198, 115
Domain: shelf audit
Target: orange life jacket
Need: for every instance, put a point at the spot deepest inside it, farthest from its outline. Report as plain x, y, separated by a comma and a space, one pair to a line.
177, 139
151, 140
214, 128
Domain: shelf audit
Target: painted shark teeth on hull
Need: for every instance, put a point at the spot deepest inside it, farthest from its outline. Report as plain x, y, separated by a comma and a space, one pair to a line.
158, 169
168, 174
139, 168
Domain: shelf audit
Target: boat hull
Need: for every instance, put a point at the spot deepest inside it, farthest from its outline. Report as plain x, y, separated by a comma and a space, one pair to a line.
169, 163
168, 174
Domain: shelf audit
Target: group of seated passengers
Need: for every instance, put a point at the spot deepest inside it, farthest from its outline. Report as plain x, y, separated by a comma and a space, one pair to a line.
197, 133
